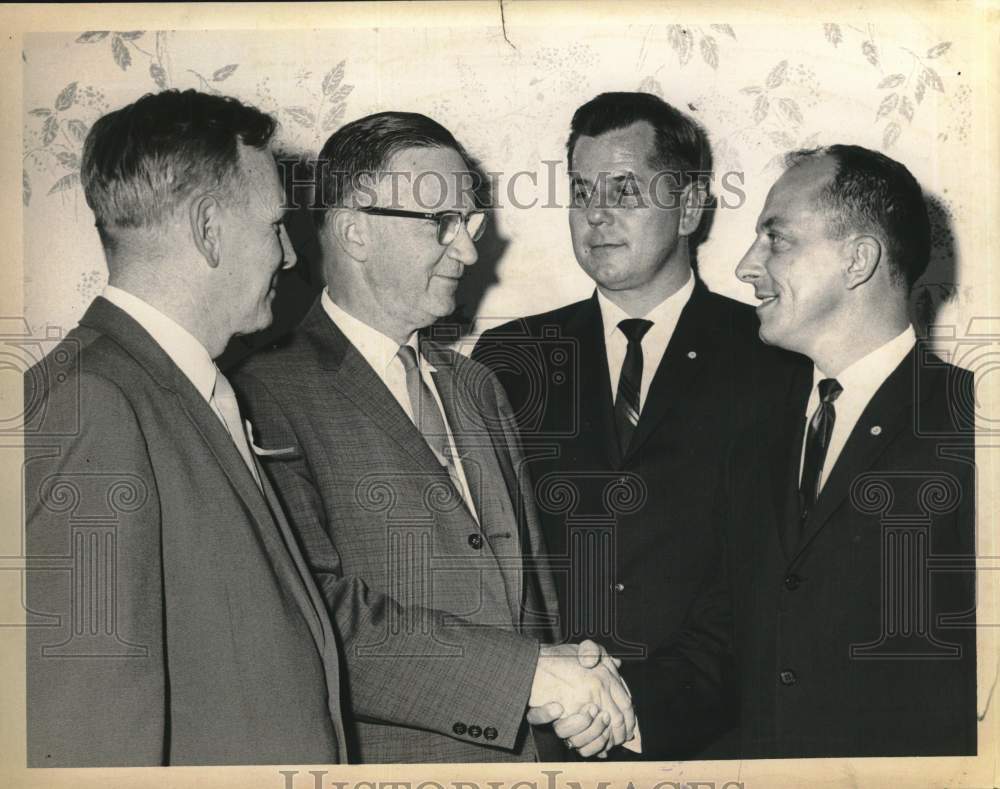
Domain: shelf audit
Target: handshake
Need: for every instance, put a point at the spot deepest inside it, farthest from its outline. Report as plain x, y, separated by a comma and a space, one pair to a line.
577, 688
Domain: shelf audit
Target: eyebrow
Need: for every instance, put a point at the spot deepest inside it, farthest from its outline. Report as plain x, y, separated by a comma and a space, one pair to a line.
616, 179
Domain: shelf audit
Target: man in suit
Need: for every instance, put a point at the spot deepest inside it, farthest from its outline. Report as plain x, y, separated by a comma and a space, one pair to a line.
850, 514
172, 618
628, 400
398, 465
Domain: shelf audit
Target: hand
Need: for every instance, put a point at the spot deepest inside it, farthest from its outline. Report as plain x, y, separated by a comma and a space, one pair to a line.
586, 695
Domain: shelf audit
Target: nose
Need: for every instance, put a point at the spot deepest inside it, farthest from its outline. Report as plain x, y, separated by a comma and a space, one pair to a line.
597, 214
463, 248
288, 256
749, 268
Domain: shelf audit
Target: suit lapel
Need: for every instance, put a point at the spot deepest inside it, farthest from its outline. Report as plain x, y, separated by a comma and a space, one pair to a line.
680, 369
358, 382
593, 384
127, 333
784, 457
890, 410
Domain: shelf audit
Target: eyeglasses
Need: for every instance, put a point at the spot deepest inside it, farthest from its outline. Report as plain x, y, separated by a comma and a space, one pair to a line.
448, 222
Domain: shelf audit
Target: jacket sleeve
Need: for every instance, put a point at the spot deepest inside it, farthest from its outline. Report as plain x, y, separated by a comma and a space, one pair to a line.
96, 682
409, 666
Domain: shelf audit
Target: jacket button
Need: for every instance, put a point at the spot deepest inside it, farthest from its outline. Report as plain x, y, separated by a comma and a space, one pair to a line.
792, 582
475, 731
476, 541
788, 677
490, 733
459, 729
618, 587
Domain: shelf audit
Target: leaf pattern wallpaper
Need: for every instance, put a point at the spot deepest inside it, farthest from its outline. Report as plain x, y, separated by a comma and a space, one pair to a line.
508, 96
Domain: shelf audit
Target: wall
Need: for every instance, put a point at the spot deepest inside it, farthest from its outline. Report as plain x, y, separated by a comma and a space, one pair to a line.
900, 84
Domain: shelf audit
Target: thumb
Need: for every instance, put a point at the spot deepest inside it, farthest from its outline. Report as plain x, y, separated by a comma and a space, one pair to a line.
538, 716
589, 653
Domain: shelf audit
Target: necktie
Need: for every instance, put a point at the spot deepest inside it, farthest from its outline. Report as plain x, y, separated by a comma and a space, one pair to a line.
817, 442
427, 415
630, 381
224, 400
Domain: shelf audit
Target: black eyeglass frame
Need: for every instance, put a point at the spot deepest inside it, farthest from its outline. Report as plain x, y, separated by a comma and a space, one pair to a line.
433, 216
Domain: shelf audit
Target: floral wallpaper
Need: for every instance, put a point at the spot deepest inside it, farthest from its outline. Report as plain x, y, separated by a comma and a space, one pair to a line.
508, 95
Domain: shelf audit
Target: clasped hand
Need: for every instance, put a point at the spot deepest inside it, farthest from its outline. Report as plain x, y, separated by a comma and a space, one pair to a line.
577, 688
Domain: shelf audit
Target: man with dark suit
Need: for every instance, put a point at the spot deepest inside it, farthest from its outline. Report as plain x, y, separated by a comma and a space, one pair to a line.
172, 618
628, 400
850, 514
398, 465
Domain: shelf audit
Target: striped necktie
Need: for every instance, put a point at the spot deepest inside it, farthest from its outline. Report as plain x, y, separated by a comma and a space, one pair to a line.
627, 404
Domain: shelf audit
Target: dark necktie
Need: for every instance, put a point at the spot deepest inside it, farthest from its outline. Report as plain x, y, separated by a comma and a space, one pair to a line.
817, 442
630, 381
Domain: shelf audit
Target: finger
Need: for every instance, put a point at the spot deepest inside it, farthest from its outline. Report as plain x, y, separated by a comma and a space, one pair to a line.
547, 713
595, 746
617, 717
590, 653
612, 693
575, 724
597, 731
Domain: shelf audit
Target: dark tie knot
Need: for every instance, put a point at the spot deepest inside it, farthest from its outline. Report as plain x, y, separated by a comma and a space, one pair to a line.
829, 390
635, 329
408, 357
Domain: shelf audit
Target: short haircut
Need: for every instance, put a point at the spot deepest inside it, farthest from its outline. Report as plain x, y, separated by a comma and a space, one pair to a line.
140, 162
871, 193
363, 149
680, 144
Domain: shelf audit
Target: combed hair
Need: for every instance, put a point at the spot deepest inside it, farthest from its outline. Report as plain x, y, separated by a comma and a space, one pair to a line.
871, 193
362, 149
681, 145
140, 162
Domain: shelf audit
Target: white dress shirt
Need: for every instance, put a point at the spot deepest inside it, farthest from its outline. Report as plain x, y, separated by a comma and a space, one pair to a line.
177, 342
190, 356
654, 342
381, 353
860, 381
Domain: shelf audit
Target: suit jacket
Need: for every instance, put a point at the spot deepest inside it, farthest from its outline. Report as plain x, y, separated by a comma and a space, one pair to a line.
441, 647
857, 639
630, 536
172, 619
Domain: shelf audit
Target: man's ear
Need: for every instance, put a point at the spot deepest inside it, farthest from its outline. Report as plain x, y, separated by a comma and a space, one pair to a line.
864, 257
350, 231
205, 216
694, 198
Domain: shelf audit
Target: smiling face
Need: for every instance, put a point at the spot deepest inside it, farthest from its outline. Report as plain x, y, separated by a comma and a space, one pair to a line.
255, 243
796, 268
625, 219
412, 278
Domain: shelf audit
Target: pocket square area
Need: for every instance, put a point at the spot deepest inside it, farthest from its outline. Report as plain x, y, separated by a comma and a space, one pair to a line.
264, 452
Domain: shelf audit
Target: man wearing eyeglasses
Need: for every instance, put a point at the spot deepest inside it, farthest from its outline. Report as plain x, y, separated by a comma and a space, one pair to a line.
397, 463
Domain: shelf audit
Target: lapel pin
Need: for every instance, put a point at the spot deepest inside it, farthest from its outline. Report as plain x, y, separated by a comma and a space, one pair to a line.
876, 430
692, 354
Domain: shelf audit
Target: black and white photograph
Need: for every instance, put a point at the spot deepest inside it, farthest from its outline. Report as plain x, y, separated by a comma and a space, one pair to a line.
466, 394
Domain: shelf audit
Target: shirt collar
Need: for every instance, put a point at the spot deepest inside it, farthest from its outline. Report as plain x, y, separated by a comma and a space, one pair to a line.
178, 343
664, 315
377, 349
862, 379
